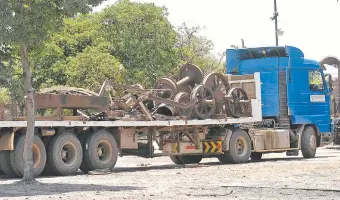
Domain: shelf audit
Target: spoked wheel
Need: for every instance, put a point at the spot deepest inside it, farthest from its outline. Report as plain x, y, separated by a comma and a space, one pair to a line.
205, 106
219, 85
100, 152
184, 98
64, 154
237, 102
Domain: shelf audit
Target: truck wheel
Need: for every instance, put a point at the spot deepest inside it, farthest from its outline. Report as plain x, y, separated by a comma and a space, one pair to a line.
5, 165
82, 138
100, 152
39, 156
239, 148
176, 160
190, 159
187, 159
256, 156
64, 154
308, 142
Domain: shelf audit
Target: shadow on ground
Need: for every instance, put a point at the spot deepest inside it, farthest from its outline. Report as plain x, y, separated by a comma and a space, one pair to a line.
17, 190
334, 147
207, 164
291, 159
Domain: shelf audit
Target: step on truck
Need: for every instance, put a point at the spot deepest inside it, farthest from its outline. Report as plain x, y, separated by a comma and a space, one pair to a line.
271, 99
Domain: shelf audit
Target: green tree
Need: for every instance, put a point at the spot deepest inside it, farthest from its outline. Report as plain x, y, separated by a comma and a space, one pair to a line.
196, 49
10, 75
142, 38
51, 60
92, 67
26, 23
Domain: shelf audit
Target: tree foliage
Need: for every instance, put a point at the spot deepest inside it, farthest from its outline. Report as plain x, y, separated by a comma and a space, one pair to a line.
197, 49
26, 24
142, 38
138, 36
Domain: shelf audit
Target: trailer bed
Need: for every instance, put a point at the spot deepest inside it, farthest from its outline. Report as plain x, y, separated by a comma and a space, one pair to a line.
120, 123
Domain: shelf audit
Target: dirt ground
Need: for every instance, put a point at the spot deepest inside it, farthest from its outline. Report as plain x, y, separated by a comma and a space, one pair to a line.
275, 177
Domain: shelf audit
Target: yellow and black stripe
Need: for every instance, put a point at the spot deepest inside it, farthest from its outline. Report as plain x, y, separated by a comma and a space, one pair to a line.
212, 146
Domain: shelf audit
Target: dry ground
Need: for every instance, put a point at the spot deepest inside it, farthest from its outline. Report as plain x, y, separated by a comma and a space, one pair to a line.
276, 177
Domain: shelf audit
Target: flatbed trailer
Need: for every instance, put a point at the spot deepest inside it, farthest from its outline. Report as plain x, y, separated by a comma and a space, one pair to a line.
63, 146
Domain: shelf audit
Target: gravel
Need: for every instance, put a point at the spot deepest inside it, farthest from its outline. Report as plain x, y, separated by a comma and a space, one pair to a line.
275, 177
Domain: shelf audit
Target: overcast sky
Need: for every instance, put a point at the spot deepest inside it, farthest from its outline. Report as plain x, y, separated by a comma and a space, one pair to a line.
311, 25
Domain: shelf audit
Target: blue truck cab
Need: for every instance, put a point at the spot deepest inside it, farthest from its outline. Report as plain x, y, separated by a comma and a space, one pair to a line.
294, 89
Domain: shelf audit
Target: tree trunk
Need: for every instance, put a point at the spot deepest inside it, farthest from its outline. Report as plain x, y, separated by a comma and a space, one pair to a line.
29, 102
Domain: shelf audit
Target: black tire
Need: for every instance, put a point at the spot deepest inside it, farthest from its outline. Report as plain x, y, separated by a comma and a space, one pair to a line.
308, 142
233, 156
255, 156
64, 154
82, 138
187, 159
5, 165
109, 151
190, 159
176, 160
39, 156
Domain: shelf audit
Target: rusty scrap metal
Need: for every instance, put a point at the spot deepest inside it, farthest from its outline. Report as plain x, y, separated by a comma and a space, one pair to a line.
71, 101
189, 96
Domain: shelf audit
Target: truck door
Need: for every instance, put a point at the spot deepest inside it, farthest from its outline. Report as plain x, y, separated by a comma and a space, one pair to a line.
308, 97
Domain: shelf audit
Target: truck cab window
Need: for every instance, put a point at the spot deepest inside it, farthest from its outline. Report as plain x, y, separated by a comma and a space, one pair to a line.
315, 81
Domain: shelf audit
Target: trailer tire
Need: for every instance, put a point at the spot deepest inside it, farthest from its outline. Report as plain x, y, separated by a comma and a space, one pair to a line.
187, 159
256, 156
239, 141
176, 160
103, 158
82, 138
64, 154
190, 159
39, 156
308, 142
5, 165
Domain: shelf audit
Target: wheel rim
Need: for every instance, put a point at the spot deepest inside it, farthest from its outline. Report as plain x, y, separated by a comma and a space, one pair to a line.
237, 102
241, 147
68, 154
104, 151
203, 94
36, 155
312, 141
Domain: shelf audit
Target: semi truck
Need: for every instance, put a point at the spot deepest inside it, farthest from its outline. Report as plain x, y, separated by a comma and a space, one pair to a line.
271, 99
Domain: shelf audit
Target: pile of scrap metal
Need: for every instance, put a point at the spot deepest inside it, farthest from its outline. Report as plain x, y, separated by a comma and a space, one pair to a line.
190, 96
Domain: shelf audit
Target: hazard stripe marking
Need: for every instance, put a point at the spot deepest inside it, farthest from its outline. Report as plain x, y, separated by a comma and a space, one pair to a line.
212, 146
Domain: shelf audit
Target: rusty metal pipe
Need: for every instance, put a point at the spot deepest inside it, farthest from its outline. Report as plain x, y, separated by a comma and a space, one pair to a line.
164, 109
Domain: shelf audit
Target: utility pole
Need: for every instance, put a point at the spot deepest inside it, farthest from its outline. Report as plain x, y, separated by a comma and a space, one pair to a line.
276, 14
